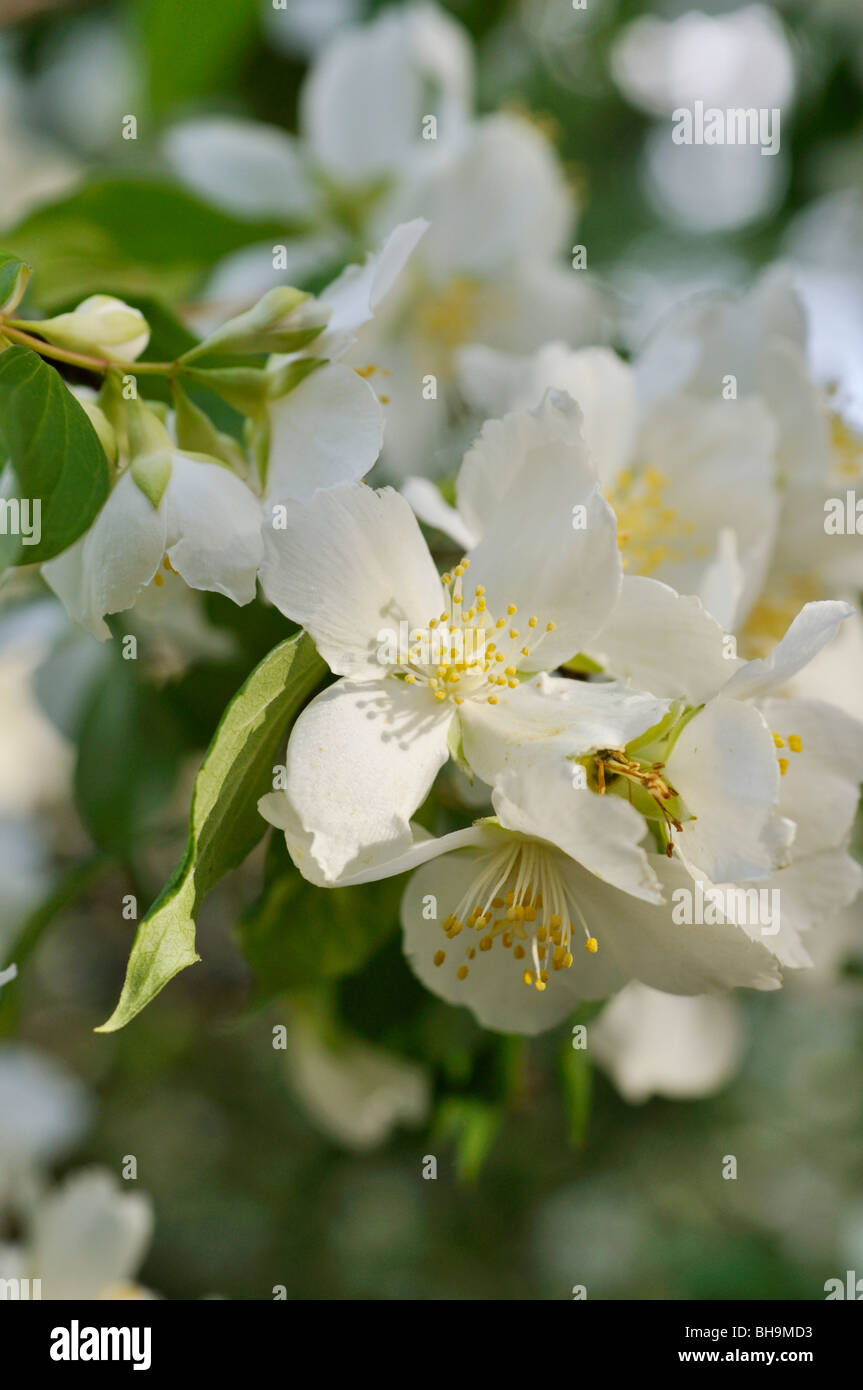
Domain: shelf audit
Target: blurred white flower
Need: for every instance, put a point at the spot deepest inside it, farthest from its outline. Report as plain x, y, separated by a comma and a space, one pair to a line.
35, 760
354, 1092
742, 58
44, 1108
85, 1239
304, 26
690, 481
655, 1044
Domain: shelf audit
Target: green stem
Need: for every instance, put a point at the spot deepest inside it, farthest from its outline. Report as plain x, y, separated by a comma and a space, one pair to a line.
80, 359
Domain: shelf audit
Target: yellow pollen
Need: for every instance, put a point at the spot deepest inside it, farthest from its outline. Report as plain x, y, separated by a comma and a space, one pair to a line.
795, 743
461, 973
591, 945
779, 741
783, 766
439, 957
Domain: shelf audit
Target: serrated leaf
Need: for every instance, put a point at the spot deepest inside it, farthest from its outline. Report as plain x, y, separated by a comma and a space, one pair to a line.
225, 824
55, 453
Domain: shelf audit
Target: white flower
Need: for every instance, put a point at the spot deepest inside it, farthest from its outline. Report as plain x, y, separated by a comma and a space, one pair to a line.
428, 664
363, 104
657, 1044
354, 1092
692, 480
760, 339
85, 1239
44, 1109
361, 120
329, 428
536, 910
490, 270
787, 808
168, 510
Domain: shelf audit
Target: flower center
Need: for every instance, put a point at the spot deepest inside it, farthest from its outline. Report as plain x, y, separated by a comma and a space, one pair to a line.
450, 318
847, 450
795, 745
467, 653
648, 532
646, 788
518, 903
159, 578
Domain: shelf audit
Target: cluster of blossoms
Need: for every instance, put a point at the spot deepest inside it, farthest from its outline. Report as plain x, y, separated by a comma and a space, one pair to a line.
622, 654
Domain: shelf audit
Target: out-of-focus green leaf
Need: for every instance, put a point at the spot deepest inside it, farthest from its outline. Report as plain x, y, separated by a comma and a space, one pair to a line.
473, 1125
576, 1071
225, 823
296, 936
129, 748
192, 46
128, 236
55, 453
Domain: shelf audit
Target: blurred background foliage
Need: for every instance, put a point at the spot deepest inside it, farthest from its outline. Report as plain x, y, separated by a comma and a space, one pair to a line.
546, 1178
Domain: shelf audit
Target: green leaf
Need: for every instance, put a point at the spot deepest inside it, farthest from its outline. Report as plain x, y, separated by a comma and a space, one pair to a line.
55, 453
576, 1071
128, 236
14, 275
129, 750
193, 48
225, 824
296, 936
474, 1126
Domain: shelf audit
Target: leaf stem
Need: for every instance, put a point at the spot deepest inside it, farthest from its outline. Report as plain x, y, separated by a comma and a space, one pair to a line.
80, 359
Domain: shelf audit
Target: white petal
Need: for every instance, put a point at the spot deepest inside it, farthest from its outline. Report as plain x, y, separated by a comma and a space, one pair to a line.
385, 860
361, 758
724, 767
646, 944
494, 989
246, 167
89, 1233
664, 642
107, 568
539, 549
602, 833
496, 383
500, 200
363, 102
821, 787
355, 1093
355, 295
213, 528
350, 565
667, 1044
328, 430
812, 890
719, 461
429, 506
721, 585
815, 625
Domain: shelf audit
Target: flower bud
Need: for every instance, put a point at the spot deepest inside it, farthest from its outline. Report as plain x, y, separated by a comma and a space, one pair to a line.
101, 325
284, 320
